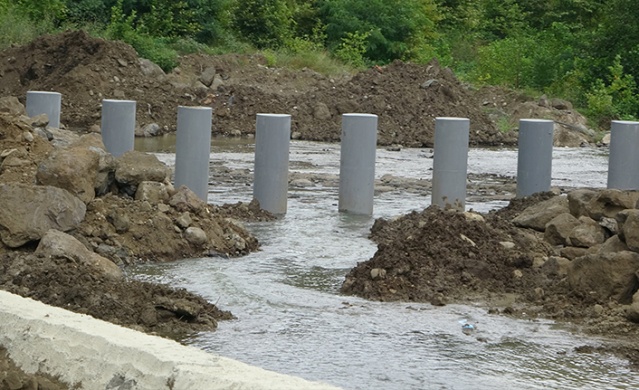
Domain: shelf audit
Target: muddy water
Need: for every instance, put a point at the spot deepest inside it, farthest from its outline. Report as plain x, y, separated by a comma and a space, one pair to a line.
291, 318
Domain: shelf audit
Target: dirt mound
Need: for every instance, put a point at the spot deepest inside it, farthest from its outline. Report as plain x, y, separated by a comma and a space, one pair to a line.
148, 307
86, 70
436, 256
406, 97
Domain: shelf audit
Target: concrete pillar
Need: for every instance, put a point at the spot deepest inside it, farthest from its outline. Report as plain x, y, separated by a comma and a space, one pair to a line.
272, 139
43, 102
118, 125
450, 163
534, 157
623, 163
357, 163
193, 149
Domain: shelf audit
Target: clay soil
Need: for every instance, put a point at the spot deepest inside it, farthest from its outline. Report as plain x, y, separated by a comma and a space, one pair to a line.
436, 265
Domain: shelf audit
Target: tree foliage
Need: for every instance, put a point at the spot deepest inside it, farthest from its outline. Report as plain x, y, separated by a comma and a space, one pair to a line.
583, 50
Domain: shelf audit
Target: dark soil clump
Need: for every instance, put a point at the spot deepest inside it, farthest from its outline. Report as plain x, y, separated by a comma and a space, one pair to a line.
436, 256
147, 307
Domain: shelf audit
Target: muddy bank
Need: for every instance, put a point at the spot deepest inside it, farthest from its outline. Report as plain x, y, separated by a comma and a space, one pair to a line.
572, 258
406, 97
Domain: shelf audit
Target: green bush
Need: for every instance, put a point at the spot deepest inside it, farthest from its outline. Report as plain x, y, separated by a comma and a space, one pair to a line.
17, 28
264, 23
616, 99
352, 49
397, 29
152, 48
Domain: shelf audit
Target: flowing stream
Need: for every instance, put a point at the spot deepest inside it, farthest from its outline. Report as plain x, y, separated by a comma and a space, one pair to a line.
292, 319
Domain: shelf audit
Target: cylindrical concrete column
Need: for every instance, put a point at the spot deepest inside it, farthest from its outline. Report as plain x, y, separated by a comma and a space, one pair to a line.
193, 149
450, 163
43, 102
623, 163
357, 163
534, 157
272, 139
118, 126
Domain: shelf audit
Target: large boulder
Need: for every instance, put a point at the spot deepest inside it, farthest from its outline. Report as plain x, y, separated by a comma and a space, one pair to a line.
186, 200
630, 228
578, 201
55, 243
133, 168
538, 215
11, 105
559, 228
73, 169
106, 162
587, 233
612, 245
27, 212
609, 202
606, 275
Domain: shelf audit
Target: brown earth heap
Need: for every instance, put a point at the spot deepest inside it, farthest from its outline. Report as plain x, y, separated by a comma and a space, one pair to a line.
86, 70
571, 258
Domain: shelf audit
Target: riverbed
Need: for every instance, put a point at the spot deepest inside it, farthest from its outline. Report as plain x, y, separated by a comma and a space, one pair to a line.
292, 319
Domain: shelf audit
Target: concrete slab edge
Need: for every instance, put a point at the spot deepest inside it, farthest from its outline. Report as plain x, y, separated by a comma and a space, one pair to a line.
95, 354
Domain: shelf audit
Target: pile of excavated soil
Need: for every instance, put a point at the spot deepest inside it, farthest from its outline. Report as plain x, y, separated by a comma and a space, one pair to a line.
75, 286
445, 257
85, 70
438, 256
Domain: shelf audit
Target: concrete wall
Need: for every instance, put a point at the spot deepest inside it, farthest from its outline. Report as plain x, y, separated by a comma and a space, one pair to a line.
99, 355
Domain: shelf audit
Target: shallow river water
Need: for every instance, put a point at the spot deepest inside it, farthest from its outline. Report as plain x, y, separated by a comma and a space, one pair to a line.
292, 319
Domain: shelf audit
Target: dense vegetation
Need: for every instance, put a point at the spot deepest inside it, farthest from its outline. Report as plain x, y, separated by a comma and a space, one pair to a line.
583, 50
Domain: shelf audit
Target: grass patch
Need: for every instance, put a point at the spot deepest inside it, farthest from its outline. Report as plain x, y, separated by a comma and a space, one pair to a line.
18, 29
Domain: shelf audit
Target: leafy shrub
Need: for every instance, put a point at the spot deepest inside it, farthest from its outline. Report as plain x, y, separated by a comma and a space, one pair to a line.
151, 48
264, 23
616, 99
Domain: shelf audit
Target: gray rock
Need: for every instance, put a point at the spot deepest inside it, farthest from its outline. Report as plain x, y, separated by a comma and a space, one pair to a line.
604, 276
217, 82
578, 201
196, 236
149, 68
321, 112
630, 229
610, 224
561, 104
186, 200
612, 245
152, 191
133, 168
538, 215
184, 220
11, 105
556, 266
61, 138
55, 243
378, 273
74, 169
632, 311
588, 233
29, 211
610, 202
207, 76
119, 220
149, 130
572, 252
559, 228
